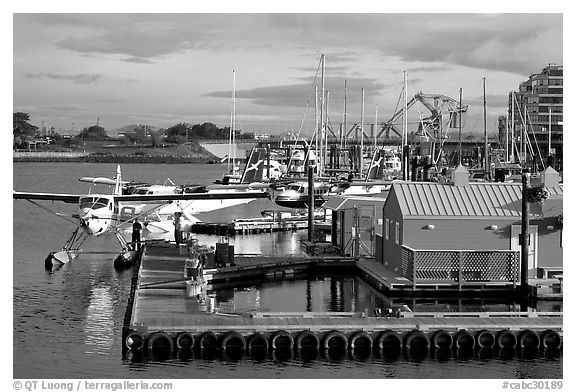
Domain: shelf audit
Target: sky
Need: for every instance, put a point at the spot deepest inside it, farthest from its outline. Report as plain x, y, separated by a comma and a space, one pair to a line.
73, 70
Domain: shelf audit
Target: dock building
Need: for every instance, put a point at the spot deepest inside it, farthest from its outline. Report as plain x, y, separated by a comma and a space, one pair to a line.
468, 233
351, 213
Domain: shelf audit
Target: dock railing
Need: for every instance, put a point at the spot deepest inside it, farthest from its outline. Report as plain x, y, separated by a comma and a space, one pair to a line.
461, 267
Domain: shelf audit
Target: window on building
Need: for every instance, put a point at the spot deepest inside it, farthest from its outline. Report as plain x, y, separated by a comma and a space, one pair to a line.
397, 234
387, 229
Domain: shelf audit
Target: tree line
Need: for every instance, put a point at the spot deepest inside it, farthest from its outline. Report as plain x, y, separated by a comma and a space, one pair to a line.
24, 132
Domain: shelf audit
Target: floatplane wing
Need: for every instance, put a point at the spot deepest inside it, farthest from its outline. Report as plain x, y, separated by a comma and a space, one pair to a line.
192, 196
66, 198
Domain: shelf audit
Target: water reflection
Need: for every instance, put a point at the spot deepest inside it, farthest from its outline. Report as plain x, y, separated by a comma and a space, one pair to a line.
99, 323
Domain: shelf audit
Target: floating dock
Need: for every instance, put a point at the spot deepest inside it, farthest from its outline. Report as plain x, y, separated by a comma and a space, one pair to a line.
248, 226
162, 317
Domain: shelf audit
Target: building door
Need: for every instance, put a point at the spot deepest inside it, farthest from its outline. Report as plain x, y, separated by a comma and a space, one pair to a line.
515, 232
363, 235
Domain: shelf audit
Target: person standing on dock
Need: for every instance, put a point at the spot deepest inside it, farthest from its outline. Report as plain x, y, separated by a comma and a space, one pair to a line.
177, 227
136, 229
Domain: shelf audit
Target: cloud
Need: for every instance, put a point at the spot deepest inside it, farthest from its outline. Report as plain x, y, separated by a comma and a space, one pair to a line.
497, 101
517, 43
82, 78
302, 95
138, 60
64, 107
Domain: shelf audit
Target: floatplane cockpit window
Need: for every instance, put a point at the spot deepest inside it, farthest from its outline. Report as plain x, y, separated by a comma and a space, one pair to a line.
142, 191
93, 202
294, 187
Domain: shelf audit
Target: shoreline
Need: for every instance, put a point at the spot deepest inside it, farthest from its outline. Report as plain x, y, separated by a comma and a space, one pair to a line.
107, 158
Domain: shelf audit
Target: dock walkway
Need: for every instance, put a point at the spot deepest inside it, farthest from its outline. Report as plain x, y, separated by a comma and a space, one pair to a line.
161, 311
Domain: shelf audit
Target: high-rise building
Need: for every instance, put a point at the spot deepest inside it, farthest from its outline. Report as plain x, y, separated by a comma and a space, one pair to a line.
535, 113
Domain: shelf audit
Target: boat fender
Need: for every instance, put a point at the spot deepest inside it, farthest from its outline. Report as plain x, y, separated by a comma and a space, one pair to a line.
529, 339
550, 339
360, 340
416, 339
185, 341
281, 340
257, 342
232, 340
389, 340
485, 339
506, 339
134, 341
159, 341
307, 340
464, 339
208, 340
442, 339
335, 339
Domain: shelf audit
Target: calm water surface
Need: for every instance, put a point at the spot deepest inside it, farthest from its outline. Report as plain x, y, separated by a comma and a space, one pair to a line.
68, 323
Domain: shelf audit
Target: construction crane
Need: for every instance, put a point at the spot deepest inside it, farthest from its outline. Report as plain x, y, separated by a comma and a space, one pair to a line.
430, 127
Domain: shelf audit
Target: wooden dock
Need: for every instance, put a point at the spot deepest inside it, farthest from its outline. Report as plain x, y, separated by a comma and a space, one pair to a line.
161, 314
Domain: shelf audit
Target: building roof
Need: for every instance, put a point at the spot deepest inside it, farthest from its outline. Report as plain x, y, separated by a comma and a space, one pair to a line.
481, 199
338, 203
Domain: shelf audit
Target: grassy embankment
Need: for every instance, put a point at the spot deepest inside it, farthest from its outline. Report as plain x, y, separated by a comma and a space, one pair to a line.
111, 151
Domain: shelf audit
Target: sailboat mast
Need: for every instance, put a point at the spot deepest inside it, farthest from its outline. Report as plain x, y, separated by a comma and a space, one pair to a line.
345, 112
405, 149
362, 135
486, 151
507, 130
325, 129
233, 120
316, 125
549, 131
512, 144
525, 134
405, 117
375, 127
322, 120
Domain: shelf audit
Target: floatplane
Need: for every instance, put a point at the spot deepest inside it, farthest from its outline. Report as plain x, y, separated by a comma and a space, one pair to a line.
102, 214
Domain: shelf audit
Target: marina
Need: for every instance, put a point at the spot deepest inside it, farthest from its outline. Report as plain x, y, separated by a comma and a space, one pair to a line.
92, 277
289, 199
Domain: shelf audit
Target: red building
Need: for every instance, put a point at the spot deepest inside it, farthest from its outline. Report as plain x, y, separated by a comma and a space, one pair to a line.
468, 232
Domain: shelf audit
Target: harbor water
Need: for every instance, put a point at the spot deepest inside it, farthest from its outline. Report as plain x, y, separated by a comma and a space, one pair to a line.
68, 322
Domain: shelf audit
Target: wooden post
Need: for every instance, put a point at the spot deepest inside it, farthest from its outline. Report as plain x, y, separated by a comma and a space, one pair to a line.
356, 234
414, 258
268, 161
311, 203
524, 235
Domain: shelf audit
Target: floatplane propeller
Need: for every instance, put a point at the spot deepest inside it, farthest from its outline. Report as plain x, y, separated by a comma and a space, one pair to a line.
99, 214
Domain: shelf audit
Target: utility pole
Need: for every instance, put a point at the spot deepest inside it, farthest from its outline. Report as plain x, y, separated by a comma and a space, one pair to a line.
524, 235
486, 147
310, 203
460, 129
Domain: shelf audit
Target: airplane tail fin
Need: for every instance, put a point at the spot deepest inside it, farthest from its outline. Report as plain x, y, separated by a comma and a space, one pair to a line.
375, 170
118, 185
254, 170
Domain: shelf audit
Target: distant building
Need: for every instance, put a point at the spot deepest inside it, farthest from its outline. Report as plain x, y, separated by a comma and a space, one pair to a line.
261, 136
541, 98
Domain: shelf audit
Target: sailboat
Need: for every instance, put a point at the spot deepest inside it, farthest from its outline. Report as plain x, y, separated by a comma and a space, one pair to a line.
233, 176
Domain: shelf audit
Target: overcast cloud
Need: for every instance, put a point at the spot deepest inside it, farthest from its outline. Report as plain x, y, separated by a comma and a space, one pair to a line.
166, 68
